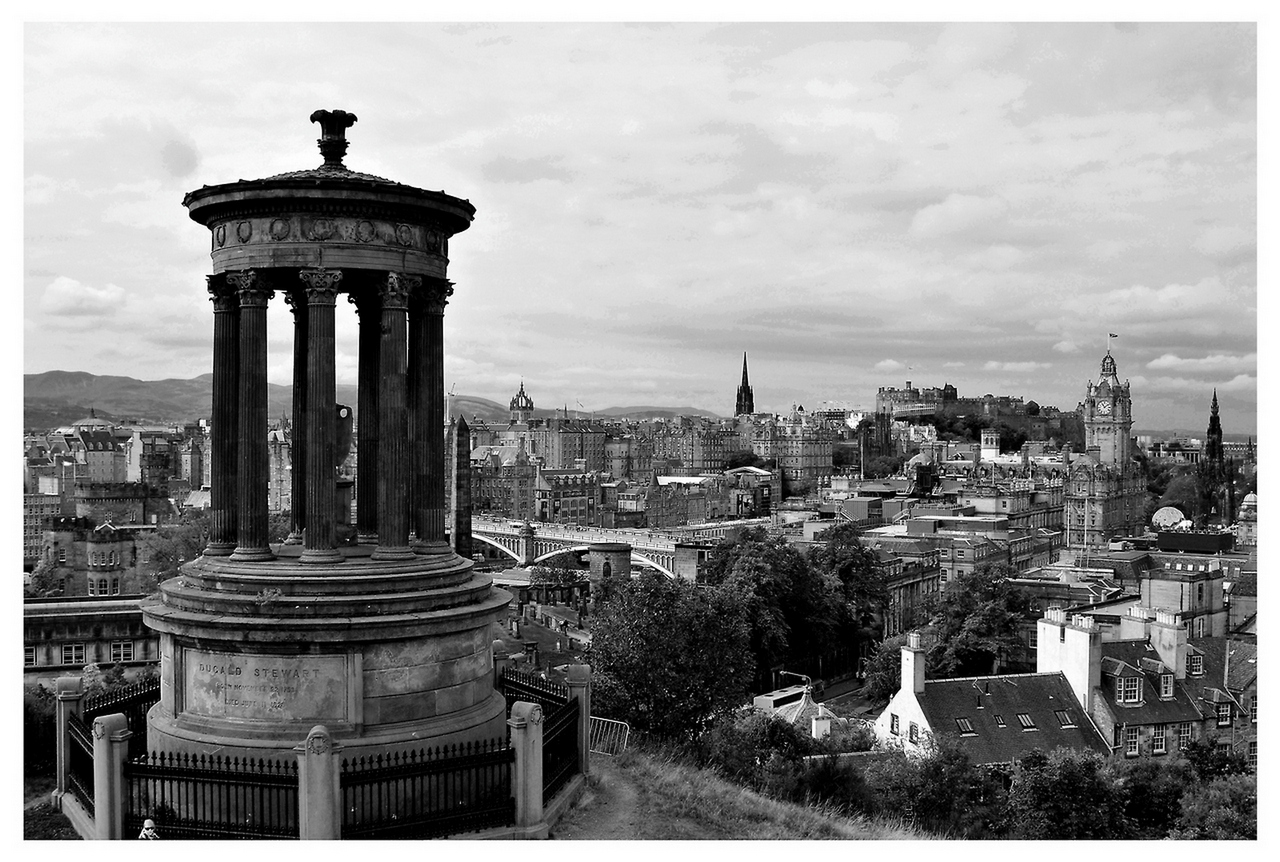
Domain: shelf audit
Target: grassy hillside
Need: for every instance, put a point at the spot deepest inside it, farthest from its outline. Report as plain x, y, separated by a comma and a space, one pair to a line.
664, 800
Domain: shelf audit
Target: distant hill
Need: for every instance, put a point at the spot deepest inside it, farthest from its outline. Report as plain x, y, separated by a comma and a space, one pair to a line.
1227, 436
654, 412
56, 398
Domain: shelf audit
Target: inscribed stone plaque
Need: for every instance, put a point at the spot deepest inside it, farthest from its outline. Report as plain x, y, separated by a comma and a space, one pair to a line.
276, 688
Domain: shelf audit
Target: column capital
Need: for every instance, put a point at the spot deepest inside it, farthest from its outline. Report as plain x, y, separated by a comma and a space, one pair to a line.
296, 299
321, 285
253, 289
396, 289
365, 300
222, 295
435, 295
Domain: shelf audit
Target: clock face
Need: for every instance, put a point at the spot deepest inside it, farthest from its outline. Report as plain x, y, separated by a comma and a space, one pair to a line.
1104, 408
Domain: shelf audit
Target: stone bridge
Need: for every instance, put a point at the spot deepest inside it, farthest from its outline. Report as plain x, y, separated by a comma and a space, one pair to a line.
530, 544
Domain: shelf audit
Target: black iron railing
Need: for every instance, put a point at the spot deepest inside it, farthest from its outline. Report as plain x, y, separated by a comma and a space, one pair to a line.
559, 748
199, 796
132, 700
80, 762
428, 793
533, 689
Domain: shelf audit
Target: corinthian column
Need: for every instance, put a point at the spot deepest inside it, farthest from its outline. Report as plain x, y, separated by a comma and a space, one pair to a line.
297, 302
226, 361
393, 467
318, 543
251, 449
369, 310
430, 356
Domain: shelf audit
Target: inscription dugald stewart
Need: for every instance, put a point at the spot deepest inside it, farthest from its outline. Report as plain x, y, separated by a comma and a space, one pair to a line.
266, 687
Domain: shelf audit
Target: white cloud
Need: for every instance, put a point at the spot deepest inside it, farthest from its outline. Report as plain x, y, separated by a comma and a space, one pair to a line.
1066, 347
955, 215
1216, 362
67, 297
1225, 242
889, 365
1015, 367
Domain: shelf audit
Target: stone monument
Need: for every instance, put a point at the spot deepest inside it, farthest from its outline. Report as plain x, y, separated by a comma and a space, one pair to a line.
377, 630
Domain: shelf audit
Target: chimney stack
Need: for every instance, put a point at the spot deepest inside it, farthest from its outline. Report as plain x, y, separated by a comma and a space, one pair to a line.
913, 664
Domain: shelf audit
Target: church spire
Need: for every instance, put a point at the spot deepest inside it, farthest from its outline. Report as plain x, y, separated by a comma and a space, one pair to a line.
746, 400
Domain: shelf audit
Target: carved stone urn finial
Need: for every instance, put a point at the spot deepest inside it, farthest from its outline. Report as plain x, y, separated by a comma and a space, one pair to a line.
333, 135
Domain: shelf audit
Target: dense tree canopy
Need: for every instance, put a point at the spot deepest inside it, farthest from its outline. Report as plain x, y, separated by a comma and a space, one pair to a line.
1064, 794
670, 656
793, 609
977, 622
864, 589
162, 552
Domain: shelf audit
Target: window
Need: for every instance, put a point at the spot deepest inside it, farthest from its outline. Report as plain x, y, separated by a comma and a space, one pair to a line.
1131, 742
73, 654
999, 720
62, 555
29, 656
1184, 734
893, 723
92, 586
102, 586
1199, 594
1064, 718
1224, 714
966, 727
1032, 638
1166, 685
1253, 755
913, 732
1195, 664
1253, 709
1026, 722
121, 651
115, 586
1199, 627
1157, 739
1128, 689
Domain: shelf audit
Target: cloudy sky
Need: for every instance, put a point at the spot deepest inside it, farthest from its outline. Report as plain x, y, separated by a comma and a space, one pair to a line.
856, 205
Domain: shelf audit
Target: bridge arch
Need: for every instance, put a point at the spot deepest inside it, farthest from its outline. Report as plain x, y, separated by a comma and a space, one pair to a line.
496, 544
641, 558
558, 551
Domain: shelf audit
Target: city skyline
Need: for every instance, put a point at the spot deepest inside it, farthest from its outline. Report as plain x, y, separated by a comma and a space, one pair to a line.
853, 205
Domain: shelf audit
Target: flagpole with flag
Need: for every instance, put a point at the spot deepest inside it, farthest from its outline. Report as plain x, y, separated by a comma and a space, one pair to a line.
1110, 335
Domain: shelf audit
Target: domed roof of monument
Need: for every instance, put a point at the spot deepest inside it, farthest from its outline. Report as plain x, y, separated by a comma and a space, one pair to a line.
330, 176
1250, 499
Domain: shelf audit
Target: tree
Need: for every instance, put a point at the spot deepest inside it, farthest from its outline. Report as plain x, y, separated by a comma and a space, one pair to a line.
742, 458
670, 656
977, 622
1211, 762
884, 668
864, 588
793, 610
42, 580
1152, 790
1225, 808
1064, 794
162, 553
882, 466
558, 571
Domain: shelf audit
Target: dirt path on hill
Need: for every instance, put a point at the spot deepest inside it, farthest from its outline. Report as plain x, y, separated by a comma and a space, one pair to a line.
608, 810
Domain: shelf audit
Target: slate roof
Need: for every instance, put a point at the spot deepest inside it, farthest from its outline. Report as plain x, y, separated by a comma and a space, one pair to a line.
1241, 671
1138, 658
981, 700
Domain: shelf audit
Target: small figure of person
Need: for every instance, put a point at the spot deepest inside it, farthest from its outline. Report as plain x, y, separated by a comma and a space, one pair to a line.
148, 830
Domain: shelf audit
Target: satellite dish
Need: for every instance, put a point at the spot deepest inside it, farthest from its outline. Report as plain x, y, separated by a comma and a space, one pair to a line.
1167, 518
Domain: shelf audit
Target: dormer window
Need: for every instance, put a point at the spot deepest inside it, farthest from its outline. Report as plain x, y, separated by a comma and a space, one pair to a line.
1025, 720
966, 727
1128, 689
1166, 685
999, 720
1224, 714
1195, 664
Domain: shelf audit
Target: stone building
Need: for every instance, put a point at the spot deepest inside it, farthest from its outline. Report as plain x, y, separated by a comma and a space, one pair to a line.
1105, 489
90, 559
61, 635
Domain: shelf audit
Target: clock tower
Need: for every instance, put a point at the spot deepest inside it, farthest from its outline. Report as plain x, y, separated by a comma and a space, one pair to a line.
1105, 487
1108, 417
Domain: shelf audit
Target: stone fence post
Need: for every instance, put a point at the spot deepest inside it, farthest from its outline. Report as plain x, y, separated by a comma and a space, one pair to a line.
110, 748
319, 791
525, 724
69, 693
580, 689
